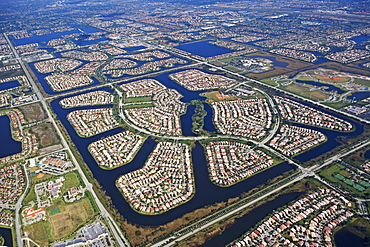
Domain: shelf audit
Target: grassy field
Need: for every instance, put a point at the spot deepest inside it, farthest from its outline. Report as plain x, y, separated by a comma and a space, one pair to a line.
233, 69
45, 134
270, 82
70, 217
31, 196
302, 78
138, 99
138, 106
352, 68
360, 227
228, 60
213, 96
337, 105
305, 92
338, 80
71, 180
362, 82
33, 112
38, 233
357, 158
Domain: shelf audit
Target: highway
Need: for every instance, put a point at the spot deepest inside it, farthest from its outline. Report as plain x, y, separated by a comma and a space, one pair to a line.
118, 235
198, 226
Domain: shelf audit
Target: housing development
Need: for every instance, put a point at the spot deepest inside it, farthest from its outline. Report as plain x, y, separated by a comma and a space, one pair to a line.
185, 123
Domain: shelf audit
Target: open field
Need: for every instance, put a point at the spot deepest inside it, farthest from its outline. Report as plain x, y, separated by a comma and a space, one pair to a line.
138, 106
216, 96
352, 68
360, 227
337, 105
38, 233
332, 79
46, 134
357, 158
70, 217
71, 180
138, 99
365, 83
33, 112
305, 92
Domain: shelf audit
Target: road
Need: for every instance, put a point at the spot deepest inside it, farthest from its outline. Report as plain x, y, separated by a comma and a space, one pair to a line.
118, 235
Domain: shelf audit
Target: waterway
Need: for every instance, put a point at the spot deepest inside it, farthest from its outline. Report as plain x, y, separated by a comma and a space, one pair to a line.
249, 220
208, 119
359, 95
367, 154
206, 192
7, 235
186, 125
135, 48
42, 40
204, 48
332, 136
360, 39
9, 85
345, 238
328, 87
8, 146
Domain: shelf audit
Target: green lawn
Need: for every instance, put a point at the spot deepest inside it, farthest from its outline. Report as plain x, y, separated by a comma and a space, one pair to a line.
335, 174
363, 82
138, 106
138, 99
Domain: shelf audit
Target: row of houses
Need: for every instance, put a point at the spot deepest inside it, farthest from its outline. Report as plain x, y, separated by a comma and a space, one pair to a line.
300, 113
195, 80
309, 221
99, 97
92, 121
292, 140
248, 118
230, 162
116, 150
165, 181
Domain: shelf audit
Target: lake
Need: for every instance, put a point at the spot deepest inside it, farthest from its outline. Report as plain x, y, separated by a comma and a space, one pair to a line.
359, 95
9, 85
7, 234
8, 146
203, 49
345, 238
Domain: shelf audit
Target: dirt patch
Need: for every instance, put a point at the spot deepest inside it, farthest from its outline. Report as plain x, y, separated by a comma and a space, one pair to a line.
46, 134
33, 113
